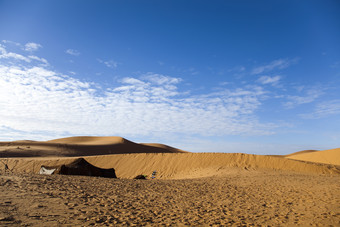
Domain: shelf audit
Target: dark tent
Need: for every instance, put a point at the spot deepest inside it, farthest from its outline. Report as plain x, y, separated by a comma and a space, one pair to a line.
78, 167
140, 177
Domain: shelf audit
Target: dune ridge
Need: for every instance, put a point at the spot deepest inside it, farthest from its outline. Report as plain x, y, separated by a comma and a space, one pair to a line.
90, 140
180, 165
131, 159
331, 156
80, 146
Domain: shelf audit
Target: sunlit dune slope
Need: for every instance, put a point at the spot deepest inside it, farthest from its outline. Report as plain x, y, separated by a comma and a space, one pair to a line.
179, 165
90, 140
79, 146
300, 152
326, 156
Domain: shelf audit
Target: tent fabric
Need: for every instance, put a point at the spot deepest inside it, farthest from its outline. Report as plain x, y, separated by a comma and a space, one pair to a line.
78, 167
140, 177
46, 171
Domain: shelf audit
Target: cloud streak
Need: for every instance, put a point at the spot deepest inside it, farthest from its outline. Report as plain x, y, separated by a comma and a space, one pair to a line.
310, 96
110, 63
276, 64
72, 52
324, 109
32, 47
274, 80
14, 57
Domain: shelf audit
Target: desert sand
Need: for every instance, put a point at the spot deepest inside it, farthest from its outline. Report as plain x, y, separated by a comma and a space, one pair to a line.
80, 146
189, 189
326, 156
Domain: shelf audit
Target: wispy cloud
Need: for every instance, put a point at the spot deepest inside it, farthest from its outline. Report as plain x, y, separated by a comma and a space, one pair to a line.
276, 64
310, 95
110, 63
274, 80
37, 99
11, 42
11, 56
324, 109
32, 47
72, 52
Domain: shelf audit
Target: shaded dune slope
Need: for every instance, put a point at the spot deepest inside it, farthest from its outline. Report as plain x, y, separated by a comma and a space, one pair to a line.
80, 146
326, 156
180, 165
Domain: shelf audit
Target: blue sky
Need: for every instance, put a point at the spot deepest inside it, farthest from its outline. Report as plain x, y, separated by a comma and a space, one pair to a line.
260, 77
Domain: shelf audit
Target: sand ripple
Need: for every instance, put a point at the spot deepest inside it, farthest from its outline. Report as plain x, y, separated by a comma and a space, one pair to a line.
242, 198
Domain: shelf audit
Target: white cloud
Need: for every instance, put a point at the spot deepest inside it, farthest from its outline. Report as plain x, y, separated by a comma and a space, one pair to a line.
32, 47
110, 63
12, 56
324, 109
42, 60
11, 42
161, 79
37, 99
276, 64
4, 54
72, 52
269, 80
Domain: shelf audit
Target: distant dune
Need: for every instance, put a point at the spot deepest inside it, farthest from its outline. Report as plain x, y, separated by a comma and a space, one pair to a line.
79, 146
326, 156
299, 152
130, 159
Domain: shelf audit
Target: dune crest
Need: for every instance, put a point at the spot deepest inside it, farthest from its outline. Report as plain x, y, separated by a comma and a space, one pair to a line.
331, 156
90, 140
80, 146
130, 159
180, 165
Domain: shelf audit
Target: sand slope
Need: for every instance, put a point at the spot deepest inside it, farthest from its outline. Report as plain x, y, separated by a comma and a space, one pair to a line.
326, 156
268, 198
79, 146
130, 159
178, 166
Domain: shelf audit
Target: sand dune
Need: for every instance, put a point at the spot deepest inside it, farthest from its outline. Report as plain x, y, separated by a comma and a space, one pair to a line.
130, 159
326, 156
90, 140
178, 166
79, 146
299, 152
200, 189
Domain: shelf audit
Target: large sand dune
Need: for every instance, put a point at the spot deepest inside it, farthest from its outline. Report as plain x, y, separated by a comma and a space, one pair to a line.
200, 189
326, 156
178, 166
79, 146
130, 159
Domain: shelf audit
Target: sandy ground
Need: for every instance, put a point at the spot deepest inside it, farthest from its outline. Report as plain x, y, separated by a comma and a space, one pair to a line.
194, 189
277, 198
